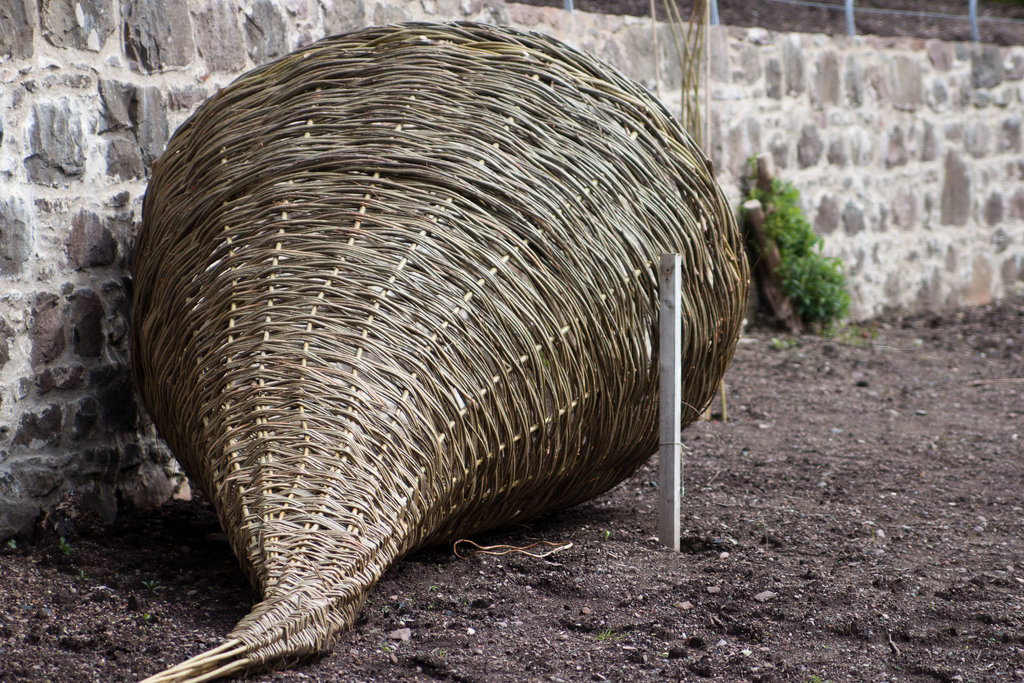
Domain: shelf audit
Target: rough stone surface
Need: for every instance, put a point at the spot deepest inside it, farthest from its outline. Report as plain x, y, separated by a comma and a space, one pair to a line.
977, 139
265, 32
810, 146
346, 15
896, 150
6, 335
929, 143
1009, 136
837, 155
826, 220
117, 101
82, 24
853, 218
941, 54
36, 430
956, 191
907, 93
86, 323
904, 208
55, 141
773, 78
149, 119
825, 83
157, 34
793, 57
16, 31
124, 158
994, 209
14, 237
219, 36
47, 328
61, 377
90, 242
986, 66
853, 78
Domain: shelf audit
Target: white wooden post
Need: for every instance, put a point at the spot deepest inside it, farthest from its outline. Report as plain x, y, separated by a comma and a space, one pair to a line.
670, 401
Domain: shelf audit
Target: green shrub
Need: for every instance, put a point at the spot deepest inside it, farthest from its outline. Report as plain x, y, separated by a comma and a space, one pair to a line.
815, 284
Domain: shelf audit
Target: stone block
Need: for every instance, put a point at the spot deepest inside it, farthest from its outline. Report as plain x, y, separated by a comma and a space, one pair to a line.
977, 139
90, 242
779, 148
79, 24
979, 285
853, 218
266, 34
1009, 136
837, 155
124, 158
793, 59
773, 78
941, 54
907, 87
6, 336
157, 34
904, 208
63, 377
392, 13
749, 64
1012, 270
825, 81
85, 415
36, 430
149, 119
937, 96
1014, 64
929, 143
986, 66
15, 238
809, 147
955, 206
55, 142
744, 140
112, 386
896, 148
343, 15
826, 220
219, 36
46, 331
1016, 203
117, 101
993, 210
17, 29
853, 79
86, 323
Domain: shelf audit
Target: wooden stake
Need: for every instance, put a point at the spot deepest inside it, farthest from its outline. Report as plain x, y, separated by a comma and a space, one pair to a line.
670, 390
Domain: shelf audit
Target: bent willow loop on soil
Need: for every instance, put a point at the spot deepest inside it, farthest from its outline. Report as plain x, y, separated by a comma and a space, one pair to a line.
400, 287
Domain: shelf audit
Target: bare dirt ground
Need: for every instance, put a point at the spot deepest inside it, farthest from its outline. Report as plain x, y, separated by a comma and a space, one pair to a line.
860, 516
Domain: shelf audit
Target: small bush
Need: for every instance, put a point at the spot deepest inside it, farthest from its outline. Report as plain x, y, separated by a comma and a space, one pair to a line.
815, 284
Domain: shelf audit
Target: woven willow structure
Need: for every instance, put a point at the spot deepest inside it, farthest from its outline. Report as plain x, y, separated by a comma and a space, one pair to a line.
400, 287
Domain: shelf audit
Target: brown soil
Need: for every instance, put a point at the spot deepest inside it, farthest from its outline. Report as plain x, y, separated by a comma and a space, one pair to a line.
859, 517
777, 15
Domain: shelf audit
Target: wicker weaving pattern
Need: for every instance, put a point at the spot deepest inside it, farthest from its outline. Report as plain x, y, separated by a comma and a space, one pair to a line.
400, 287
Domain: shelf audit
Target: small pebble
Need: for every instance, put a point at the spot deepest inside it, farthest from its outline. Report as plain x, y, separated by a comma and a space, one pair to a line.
765, 596
585, 611
714, 590
723, 555
685, 604
402, 634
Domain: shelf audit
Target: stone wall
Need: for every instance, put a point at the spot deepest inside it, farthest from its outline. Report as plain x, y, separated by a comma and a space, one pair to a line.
908, 155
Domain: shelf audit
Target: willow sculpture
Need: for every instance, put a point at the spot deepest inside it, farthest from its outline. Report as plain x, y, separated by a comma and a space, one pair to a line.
400, 287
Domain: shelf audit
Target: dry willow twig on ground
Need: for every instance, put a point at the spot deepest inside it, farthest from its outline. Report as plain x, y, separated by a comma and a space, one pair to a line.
399, 287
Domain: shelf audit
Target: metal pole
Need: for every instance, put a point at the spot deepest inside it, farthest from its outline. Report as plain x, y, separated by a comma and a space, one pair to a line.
851, 28
972, 9
670, 397
714, 12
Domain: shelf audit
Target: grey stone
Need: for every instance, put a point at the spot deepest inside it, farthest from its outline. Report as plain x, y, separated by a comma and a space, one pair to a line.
793, 57
837, 155
46, 332
149, 117
908, 91
896, 150
825, 81
879, 79
904, 208
779, 149
979, 286
112, 387
1014, 65
147, 487
956, 191
86, 323
826, 220
929, 143
124, 158
219, 36
1017, 204
1001, 240
83, 420
1009, 135
750, 64
809, 147
117, 102
157, 34
938, 96
986, 66
6, 335
344, 15
36, 430
744, 141
994, 209
79, 24
977, 139
392, 13
186, 97
941, 54
265, 32
853, 77
16, 29
773, 79
55, 140
15, 238
63, 377
1012, 270
90, 242
853, 218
